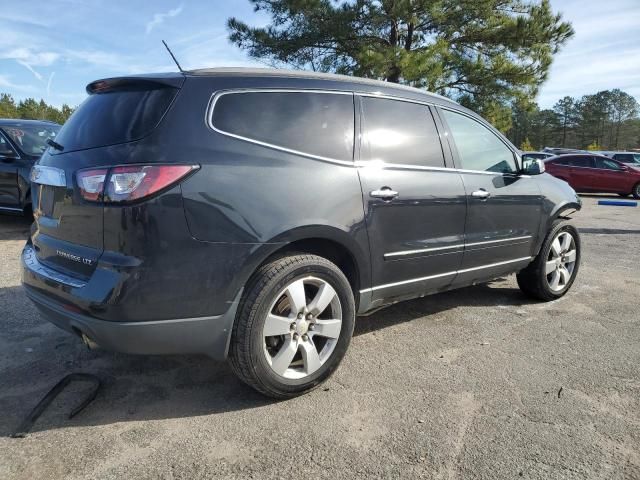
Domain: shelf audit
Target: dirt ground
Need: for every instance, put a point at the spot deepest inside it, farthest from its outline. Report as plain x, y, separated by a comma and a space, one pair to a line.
475, 383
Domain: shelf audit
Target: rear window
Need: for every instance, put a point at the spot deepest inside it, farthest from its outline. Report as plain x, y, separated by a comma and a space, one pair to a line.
315, 123
115, 116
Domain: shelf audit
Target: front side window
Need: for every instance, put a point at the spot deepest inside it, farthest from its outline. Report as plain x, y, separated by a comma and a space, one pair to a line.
478, 147
315, 123
400, 132
607, 164
6, 150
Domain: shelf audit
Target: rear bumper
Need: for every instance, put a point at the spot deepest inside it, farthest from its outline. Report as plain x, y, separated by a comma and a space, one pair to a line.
201, 335
205, 335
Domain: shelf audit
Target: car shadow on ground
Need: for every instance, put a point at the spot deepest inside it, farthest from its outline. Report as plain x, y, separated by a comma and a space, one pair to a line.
14, 227
138, 388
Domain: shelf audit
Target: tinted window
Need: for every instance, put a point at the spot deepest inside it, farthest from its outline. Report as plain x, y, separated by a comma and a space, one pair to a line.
115, 116
319, 124
561, 161
6, 149
478, 147
607, 164
400, 132
624, 157
32, 138
581, 161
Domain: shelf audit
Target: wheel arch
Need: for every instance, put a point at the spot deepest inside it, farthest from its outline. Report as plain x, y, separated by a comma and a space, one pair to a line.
334, 244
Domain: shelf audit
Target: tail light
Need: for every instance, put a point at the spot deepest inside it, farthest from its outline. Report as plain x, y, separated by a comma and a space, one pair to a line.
130, 182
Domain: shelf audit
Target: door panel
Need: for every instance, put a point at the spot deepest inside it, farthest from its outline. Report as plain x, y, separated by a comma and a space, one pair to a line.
608, 176
504, 208
503, 226
416, 237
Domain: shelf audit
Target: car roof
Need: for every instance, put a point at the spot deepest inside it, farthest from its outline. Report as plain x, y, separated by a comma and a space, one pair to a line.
301, 74
15, 122
577, 154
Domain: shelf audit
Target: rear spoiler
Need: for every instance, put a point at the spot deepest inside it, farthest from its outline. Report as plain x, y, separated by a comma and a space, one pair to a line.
137, 82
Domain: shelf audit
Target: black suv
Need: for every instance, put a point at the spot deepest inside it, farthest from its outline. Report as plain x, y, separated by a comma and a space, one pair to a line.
21, 144
252, 214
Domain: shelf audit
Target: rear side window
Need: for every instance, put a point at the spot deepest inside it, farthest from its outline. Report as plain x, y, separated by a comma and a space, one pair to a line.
315, 123
478, 147
115, 116
400, 132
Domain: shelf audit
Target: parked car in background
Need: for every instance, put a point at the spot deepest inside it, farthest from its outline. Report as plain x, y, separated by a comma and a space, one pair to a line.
629, 158
595, 173
562, 151
22, 142
529, 157
252, 214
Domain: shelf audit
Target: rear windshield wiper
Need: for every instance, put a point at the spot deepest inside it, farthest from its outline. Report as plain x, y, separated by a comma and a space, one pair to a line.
54, 144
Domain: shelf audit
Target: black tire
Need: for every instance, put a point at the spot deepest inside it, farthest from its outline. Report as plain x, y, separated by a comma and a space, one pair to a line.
247, 350
533, 280
636, 191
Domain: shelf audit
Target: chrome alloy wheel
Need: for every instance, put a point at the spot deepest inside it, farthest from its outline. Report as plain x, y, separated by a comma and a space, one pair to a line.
302, 328
561, 261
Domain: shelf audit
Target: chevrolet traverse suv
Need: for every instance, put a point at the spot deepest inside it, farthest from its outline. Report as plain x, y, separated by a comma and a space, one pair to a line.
251, 215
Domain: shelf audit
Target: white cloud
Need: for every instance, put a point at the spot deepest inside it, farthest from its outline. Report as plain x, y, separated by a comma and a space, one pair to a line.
159, 18
49, 83
30, 68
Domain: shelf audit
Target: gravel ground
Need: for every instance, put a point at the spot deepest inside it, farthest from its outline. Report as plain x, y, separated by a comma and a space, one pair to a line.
476, 383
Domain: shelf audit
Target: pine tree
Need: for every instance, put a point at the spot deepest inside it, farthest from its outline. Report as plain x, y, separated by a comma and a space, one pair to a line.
478, 51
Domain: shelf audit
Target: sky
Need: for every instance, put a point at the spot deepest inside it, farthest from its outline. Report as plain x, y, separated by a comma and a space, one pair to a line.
52, 49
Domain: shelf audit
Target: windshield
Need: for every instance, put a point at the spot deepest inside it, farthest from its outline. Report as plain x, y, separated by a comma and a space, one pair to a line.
32, 139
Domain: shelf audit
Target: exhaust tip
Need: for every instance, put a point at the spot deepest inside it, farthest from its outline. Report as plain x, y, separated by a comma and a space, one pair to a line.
91, 345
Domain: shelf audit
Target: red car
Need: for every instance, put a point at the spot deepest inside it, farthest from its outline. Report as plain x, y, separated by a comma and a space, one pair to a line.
595, 173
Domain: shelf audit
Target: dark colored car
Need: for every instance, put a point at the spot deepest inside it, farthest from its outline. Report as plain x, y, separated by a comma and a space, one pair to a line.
21, 144
252, 214
596, 174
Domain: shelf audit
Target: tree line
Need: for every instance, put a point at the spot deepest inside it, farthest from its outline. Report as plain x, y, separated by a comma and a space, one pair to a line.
606, 120
31, 109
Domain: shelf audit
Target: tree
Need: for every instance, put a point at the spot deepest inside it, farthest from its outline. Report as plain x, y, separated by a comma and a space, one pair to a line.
31, 109
623, 108
8, 107
526, 146
479, 51
565, 109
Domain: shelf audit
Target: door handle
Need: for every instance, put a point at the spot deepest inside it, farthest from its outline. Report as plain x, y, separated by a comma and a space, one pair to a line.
481, 194
385, 193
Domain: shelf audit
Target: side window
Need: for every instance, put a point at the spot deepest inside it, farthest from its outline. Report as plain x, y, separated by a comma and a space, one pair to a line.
581, 161
478, 147
607, 164
400, 132
319, 124
6, 150
623, 157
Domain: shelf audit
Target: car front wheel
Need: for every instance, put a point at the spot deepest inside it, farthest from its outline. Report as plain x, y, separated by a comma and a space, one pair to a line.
293, 326
550, 275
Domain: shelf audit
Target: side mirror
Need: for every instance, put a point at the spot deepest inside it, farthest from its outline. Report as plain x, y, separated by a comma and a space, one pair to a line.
535, 167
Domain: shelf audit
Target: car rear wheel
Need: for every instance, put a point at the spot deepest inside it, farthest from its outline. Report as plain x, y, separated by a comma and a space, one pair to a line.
636, 191
293, 326
554, 270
